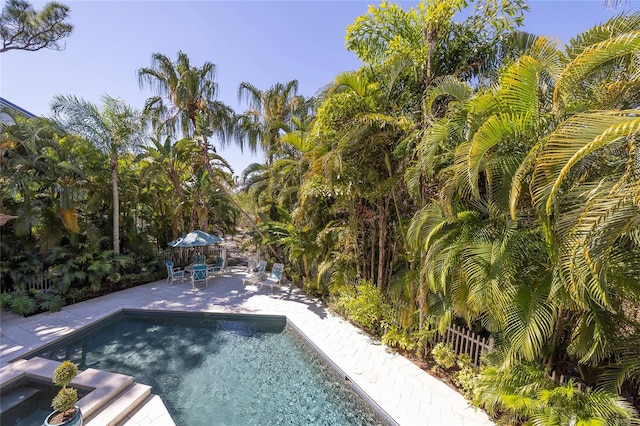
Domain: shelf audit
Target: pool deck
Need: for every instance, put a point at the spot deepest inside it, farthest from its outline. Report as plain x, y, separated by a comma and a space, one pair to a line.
409, 395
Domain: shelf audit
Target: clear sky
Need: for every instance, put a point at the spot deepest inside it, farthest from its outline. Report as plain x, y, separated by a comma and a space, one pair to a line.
261, 42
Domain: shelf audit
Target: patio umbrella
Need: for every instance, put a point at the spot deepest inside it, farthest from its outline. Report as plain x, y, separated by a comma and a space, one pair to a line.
196, 238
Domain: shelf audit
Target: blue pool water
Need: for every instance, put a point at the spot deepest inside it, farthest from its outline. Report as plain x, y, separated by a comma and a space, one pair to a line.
220, 370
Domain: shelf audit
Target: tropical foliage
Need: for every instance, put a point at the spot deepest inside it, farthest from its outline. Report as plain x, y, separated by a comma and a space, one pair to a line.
485, 178
97, 200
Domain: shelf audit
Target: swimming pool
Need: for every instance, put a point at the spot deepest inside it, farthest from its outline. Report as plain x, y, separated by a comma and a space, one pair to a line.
212, 369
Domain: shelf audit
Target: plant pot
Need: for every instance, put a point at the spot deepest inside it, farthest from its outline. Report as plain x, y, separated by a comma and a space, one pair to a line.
76, 420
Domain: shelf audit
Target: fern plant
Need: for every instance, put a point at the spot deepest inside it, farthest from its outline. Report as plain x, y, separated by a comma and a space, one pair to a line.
21, 303
50, 301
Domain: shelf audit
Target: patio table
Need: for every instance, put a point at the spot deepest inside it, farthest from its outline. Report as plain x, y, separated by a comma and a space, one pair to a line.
189, 268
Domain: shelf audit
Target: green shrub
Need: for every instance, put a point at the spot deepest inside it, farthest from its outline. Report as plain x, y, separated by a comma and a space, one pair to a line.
22, 304
526, 394
64, 373
65, 400
365, 305
424, 336
398, 338
466, 380
5, 298
464, 360
79, 294
49, 301
443, 355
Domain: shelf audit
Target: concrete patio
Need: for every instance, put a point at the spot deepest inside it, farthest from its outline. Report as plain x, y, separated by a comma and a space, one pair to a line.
401, 389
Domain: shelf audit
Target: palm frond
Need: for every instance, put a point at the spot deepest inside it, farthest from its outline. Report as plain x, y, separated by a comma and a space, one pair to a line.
593, 57
572, 142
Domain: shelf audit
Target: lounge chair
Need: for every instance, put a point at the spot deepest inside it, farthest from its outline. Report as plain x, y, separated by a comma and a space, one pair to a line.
275, 277
174, 274
199, 275
255, 274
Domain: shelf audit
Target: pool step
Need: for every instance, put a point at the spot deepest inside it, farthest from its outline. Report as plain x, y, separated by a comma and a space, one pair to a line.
152, 411
120, 406
18, 396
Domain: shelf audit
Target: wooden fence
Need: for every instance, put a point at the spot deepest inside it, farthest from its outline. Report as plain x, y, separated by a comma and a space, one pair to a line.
44, 281
464, 341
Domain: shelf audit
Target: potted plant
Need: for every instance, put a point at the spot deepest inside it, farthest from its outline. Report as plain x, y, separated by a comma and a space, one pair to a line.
66, 412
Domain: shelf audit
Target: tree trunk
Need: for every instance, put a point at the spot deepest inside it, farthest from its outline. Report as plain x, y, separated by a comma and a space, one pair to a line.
556, 336
116, 203
391, 258
177, 215
430, 38
355, 223
372, 263
383, 207
192, 214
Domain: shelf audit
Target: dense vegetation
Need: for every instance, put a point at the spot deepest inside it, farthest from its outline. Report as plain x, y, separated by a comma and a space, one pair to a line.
468, 173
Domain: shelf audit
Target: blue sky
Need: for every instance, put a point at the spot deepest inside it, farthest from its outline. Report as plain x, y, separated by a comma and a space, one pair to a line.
261, 42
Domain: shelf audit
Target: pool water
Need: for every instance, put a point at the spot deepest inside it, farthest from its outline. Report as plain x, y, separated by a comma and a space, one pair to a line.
220, 370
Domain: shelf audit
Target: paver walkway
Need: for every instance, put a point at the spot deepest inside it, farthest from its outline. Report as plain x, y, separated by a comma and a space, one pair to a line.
406, 393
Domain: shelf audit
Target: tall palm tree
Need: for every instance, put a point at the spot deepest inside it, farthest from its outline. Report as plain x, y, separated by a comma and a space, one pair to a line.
269, 115
185, 101
184, 94
113, 128
584, 185
537, 214
280, 179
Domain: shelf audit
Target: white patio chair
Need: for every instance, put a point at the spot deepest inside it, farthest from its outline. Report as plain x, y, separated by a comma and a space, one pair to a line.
275, 278
174, 274
199, 276
255, 274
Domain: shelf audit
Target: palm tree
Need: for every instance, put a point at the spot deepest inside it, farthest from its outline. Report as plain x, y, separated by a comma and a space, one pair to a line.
185, 101
184, 94
169, 160
359, 125
114, 128
40, 179
535, 220
269, 115
584, 184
